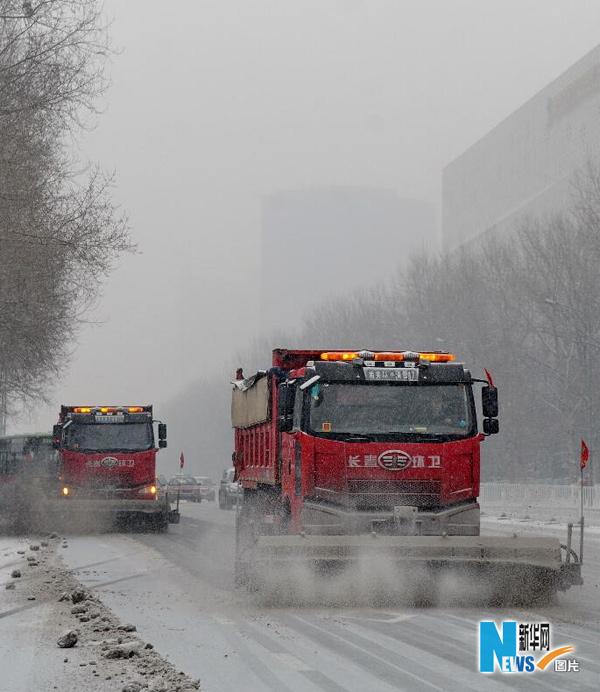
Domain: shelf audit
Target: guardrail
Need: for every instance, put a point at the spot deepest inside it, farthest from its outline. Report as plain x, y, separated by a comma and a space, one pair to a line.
542, 501
566, 496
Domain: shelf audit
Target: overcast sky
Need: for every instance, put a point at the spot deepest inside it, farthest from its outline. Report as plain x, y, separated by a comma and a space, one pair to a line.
215, 104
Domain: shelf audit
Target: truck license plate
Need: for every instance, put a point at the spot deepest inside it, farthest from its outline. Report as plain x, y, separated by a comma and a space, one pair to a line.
397, 374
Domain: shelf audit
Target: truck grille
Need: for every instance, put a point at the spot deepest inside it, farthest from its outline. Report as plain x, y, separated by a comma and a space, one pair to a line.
369, 494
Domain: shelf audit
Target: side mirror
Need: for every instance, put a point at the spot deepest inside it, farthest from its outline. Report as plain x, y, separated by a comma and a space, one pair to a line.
491, 426
489, 402
285, 407
56, 436
162, 431
162, 444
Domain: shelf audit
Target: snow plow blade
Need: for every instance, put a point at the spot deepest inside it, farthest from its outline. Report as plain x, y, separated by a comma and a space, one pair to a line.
531, 558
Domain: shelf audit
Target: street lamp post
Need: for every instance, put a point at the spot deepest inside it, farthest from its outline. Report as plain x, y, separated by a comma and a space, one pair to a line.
3, 405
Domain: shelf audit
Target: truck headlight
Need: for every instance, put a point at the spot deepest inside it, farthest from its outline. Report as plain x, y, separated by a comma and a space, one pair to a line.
149, 490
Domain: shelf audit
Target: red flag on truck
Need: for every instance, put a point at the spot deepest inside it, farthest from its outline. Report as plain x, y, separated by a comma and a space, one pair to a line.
181, 461
585, 454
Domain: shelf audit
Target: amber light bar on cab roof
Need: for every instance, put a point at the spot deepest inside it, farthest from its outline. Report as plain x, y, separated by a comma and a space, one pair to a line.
108, 409
389, 356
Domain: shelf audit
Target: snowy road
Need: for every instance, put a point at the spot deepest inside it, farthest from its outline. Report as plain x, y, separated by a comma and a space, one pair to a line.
178, 590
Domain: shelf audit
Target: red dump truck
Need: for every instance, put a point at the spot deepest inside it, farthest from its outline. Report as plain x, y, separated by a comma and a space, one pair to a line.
107, 466
350, 454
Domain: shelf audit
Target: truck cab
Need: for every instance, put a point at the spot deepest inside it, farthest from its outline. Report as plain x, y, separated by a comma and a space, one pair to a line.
354, 457
108, 463
380, 441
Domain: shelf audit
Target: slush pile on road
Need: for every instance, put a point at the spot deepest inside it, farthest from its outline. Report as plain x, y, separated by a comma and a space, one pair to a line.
93, 650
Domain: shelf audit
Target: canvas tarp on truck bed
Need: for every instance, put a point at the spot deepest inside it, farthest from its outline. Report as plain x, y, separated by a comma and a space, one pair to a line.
250, 401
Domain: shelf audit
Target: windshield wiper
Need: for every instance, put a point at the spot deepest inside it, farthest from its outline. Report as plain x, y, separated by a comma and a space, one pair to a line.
358, 438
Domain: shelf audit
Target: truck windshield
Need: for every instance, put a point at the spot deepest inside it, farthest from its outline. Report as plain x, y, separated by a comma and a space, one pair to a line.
109, 437
384, 409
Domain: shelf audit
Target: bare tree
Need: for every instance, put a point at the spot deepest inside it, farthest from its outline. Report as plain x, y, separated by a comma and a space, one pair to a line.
59, 229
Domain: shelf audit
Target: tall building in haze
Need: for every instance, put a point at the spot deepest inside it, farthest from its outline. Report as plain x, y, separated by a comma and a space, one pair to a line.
527, 164
323, 242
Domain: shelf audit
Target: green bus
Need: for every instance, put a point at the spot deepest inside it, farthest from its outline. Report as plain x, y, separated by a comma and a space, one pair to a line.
28, 457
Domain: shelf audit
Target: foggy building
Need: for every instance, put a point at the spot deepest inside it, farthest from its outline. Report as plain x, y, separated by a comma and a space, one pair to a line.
323, 242
526, 164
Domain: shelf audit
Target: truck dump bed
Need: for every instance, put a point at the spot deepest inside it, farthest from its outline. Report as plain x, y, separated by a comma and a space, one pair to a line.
255, 430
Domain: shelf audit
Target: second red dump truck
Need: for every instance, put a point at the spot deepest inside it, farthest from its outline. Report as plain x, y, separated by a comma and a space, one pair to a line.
107, 466
351, 453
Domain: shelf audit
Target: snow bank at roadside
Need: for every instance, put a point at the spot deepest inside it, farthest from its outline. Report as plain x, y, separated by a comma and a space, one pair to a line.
556, 514
528, 525
40, 601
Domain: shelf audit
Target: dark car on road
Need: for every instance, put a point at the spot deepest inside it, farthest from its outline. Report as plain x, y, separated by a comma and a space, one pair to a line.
230, 491
187, 487
207, 488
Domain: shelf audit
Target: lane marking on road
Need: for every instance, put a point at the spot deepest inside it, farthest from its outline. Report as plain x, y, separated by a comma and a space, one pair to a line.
387, 620
393, 668
293, 662
120, 579
20, 609
253, 666
97, 564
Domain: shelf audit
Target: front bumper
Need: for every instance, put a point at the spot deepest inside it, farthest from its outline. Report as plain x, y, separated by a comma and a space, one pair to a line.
329, 519
541, 552
108, 507
528, 560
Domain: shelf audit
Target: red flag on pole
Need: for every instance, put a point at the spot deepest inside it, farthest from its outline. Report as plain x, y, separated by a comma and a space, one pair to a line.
181, 461
585, 454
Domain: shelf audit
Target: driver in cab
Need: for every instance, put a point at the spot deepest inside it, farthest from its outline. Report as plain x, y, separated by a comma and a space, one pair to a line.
445, 413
